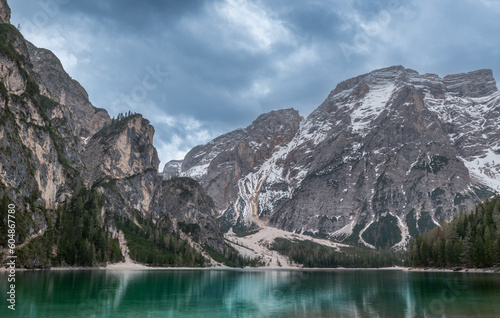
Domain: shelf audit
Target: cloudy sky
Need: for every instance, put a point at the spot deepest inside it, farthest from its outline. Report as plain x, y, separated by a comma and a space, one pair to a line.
200, 68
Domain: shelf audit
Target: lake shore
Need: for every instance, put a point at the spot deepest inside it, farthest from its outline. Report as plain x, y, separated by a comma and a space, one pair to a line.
126, 266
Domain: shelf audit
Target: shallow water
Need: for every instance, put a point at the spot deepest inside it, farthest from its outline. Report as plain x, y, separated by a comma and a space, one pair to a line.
227, 293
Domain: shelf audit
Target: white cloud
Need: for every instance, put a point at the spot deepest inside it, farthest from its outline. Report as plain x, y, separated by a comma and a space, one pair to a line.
238, 24
190, 123
174, 135
259, 88
245, 57
175, 146
251, 26
164, 119
169, 150
67, 44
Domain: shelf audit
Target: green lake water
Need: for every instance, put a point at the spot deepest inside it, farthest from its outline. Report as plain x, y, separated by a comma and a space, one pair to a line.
226, 293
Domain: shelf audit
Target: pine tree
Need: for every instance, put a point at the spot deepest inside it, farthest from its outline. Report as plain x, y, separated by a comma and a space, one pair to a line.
466, 253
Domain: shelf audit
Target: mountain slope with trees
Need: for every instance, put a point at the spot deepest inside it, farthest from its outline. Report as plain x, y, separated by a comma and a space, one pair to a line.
469, 240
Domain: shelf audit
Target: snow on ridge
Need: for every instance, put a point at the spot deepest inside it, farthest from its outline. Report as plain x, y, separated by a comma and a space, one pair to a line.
269, 173
320, 131
371, 107
473, 109
196, 172
485, 169
471, 116
272, 172
85, 140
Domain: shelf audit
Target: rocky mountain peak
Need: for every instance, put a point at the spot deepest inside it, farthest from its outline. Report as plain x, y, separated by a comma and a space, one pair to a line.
377, 76
122, 149
56, 146
276, 116
473, 84
4, 12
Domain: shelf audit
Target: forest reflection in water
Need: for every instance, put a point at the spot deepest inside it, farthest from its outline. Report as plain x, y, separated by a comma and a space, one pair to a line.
259, 293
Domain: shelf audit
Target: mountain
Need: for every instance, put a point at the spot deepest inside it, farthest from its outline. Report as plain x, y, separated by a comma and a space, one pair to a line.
389, 154
222, 165
78, 177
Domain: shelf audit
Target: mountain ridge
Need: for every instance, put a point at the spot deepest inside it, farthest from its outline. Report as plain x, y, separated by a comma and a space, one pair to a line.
417, 137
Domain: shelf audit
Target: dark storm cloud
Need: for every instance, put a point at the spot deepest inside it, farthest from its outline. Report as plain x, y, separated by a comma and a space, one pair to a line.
230, 60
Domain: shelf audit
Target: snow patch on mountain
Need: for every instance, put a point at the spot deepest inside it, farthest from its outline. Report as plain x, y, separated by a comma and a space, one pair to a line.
344, 232
485, 169
361, 235
370, 107
197, 172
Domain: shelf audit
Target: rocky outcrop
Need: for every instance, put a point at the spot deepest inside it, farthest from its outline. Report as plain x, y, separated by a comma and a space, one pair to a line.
185, 202
474, 84
80, 116
388, 154
122, 149
49, 129
33, 161
4, 12
220, 165
121, 160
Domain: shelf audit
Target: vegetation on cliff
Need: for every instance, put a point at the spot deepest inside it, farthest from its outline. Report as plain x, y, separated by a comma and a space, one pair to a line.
149, 244
78, 237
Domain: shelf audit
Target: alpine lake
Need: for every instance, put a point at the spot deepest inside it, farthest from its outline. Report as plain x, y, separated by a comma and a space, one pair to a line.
252, 293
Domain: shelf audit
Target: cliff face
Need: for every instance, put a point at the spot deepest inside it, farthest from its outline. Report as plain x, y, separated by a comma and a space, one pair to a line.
125, 147
4, 12
41, 133
192, 211
388, 154
47, 128
80, 116
121, 160
33, 161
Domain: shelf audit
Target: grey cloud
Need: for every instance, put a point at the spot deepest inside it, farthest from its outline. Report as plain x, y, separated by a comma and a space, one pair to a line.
225, 71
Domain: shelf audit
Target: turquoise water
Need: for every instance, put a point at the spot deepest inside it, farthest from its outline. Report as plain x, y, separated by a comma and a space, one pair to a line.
219, 293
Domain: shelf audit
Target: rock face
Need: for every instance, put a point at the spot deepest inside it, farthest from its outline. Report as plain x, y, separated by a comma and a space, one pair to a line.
45, 122
121, 161
4, 12
222, 165
41, 153
186, 203
388, 154
125, 147
83, 119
